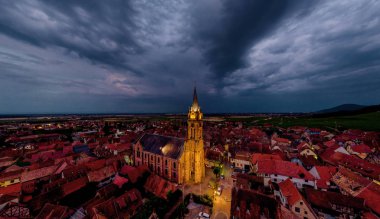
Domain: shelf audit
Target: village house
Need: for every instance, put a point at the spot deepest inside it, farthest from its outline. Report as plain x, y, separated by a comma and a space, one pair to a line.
278, 143
290, 197
361, 150
242, 160
323, 176
335, 205
248, 204
278, 171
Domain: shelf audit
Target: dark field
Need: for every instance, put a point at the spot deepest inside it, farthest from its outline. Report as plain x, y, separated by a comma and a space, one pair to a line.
367, 122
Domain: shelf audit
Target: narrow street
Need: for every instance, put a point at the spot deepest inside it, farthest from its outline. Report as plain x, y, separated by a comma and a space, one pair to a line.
222, 203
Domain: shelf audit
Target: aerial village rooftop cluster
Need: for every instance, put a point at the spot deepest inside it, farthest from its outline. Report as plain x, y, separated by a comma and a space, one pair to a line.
84, 168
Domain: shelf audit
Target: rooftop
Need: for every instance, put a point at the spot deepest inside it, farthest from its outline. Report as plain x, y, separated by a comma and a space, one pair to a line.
162, 145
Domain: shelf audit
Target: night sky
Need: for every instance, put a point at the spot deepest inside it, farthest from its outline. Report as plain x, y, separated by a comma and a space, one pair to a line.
70, 56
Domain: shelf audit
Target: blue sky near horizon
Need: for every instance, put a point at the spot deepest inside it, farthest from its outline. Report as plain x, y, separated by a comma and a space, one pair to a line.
139, 56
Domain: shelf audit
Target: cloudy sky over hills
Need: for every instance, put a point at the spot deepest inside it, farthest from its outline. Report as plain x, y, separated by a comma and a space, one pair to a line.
145, 56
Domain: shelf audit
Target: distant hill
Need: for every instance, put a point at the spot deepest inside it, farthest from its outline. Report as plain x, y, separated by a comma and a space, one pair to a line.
342, 108
345, 111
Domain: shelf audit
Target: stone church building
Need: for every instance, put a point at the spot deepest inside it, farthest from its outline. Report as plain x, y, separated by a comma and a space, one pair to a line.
176, 159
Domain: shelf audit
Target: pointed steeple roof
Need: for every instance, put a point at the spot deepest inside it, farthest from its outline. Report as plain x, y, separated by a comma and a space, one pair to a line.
195, 97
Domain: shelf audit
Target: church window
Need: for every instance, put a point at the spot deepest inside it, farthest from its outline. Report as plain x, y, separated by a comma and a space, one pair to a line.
174, 165
166, 172
166, 162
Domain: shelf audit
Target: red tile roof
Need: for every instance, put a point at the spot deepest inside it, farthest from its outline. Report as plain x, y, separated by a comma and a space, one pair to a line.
95, 165
257, 156
284, 168
50, 211
352, 162
73, 186
282, 140
119, 180
290, 192
37, 173
106, 209
101, 174
328, 200
159, 186
133, 173
11, 189
10, 175
371, 194
362, 148
325, 173
131, 199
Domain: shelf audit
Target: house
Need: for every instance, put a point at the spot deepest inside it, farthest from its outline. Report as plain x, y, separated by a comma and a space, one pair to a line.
129, 202
259, 156
11, 189
9, 178
73, 186
309, 162
361, 150
119, 180
248, 204
133, 173
323, 175
242, 160
291, 198
352, 162
245, 181
279, 170
304, 149
335, 205
159, 186
53, 211
101, 174
280, 143
358, 186
38, 174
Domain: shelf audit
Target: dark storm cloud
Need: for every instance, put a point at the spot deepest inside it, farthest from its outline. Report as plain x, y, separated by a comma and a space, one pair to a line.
240, 25
97, 31
145, 56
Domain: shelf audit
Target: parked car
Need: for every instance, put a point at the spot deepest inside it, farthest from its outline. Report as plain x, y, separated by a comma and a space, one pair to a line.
203, 215
219, 190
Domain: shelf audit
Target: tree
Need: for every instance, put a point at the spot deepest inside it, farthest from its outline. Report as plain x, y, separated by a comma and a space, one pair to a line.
216, 171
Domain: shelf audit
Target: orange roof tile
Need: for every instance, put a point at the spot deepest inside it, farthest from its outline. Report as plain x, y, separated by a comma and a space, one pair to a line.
290, 191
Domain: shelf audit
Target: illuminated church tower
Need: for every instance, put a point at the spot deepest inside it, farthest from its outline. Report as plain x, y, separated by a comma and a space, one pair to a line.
194, 166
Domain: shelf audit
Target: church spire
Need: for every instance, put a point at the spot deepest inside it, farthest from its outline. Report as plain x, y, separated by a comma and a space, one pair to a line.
195, 97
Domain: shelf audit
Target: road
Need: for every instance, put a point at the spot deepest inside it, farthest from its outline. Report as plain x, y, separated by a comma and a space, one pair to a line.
222, 204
